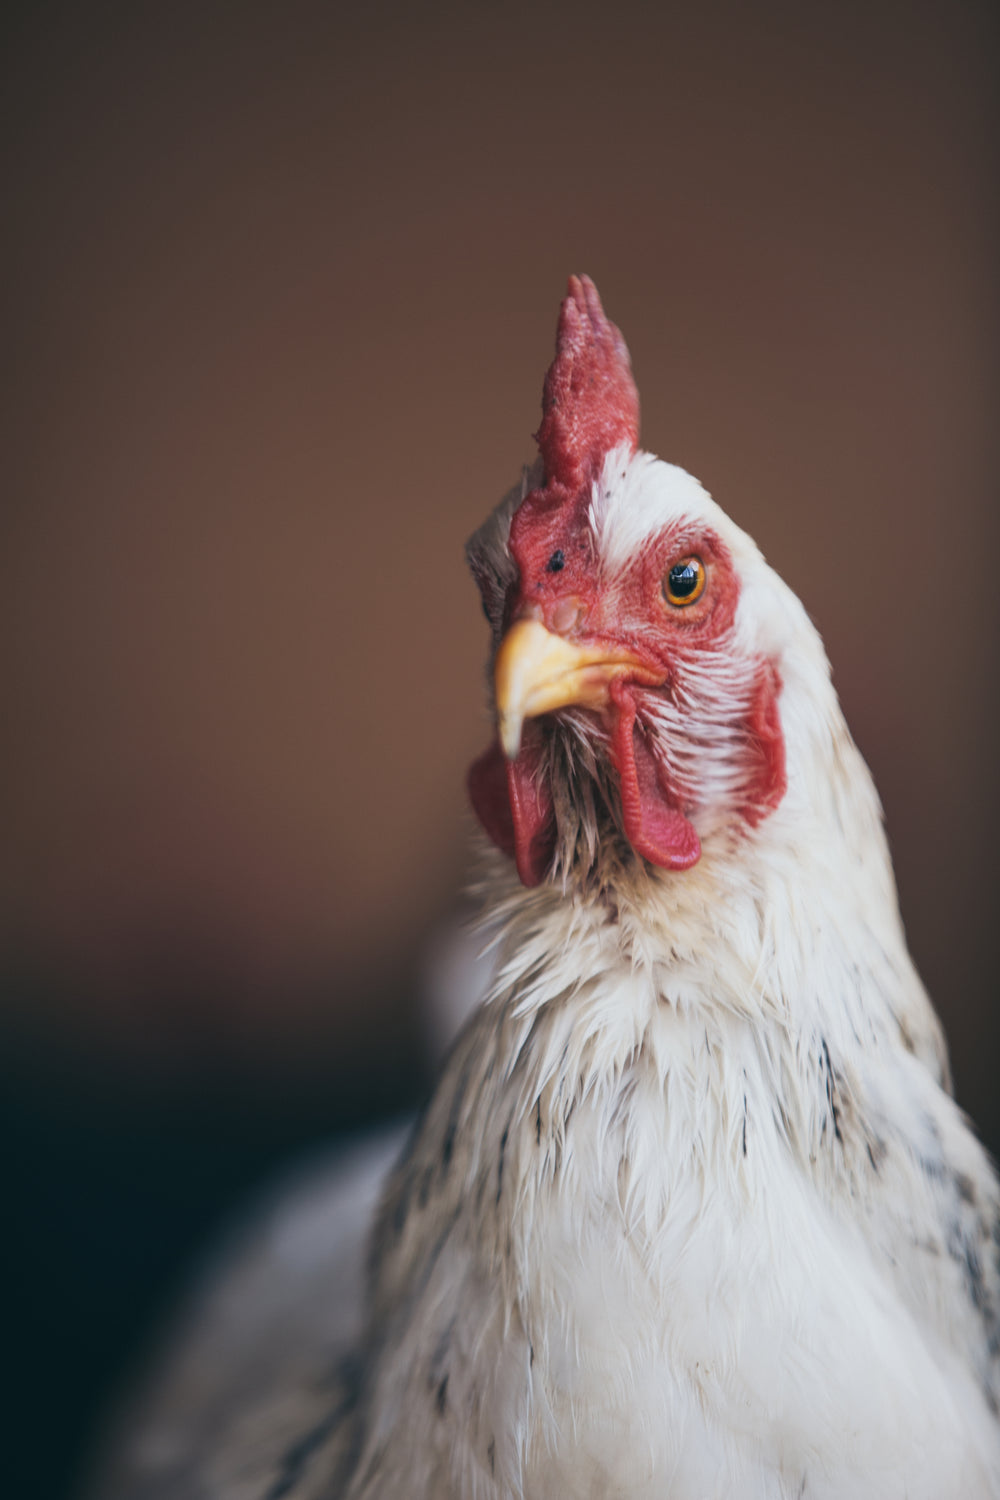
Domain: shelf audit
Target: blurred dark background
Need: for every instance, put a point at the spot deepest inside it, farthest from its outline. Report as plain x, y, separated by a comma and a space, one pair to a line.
279, 288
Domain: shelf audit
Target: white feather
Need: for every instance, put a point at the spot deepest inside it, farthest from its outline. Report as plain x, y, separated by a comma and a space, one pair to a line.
691, 1212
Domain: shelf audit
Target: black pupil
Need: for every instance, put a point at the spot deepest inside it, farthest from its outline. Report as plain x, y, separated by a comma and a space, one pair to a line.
683, 579
556, 562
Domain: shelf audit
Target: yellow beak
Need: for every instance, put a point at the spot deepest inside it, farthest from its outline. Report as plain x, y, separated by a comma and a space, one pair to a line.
536, 672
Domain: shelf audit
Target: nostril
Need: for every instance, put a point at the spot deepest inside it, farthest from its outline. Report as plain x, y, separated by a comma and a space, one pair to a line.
564, 615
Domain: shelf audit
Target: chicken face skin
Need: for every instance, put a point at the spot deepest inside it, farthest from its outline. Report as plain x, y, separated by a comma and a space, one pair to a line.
682, 722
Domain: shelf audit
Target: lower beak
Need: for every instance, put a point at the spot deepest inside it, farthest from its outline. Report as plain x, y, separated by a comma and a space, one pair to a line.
536, 672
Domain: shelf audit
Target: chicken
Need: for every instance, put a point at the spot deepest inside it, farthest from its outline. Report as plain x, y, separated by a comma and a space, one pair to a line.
691, 1213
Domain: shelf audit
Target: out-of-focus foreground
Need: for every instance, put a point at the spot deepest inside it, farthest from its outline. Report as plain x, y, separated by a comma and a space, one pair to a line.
279, 290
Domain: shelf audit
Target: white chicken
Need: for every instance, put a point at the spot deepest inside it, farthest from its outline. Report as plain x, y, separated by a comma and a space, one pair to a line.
691, 1213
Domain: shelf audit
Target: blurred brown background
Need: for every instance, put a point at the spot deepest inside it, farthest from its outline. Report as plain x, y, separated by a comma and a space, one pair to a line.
280, 286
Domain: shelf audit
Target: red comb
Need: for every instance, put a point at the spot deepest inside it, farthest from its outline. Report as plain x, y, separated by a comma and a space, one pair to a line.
590, 404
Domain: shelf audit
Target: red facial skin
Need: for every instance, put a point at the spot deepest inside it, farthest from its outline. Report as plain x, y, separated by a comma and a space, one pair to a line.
680, 648
590, 406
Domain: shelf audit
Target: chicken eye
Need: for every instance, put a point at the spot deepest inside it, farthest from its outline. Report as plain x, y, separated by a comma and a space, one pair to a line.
684, 581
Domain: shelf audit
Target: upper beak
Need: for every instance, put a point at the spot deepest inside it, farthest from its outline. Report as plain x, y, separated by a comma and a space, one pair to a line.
536, 672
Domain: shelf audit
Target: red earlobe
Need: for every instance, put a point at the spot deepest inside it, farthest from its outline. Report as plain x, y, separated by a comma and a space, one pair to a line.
767, 780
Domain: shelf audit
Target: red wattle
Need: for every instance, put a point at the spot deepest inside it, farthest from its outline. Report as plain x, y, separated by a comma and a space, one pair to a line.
486, 783
657, 830
513, 802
